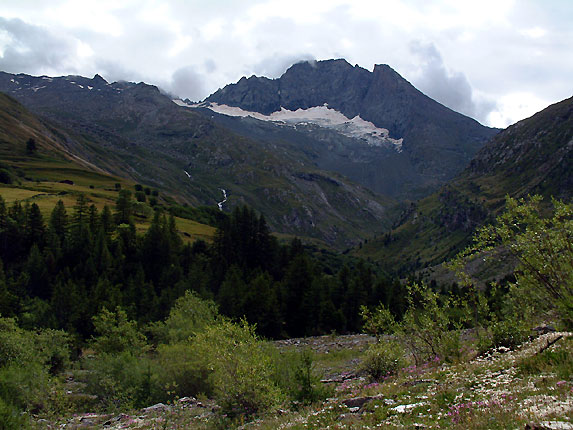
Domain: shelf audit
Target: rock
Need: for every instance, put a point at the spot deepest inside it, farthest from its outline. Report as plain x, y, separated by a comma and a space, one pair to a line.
361, 401
157, 407
356, 402
544, 329
549, 425
120, 417
404, 408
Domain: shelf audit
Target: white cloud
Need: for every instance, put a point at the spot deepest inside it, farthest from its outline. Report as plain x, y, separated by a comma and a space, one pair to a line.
484, 53
450, 88
514, 107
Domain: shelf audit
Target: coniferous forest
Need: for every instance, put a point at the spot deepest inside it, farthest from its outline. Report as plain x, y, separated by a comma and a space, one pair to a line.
60, 272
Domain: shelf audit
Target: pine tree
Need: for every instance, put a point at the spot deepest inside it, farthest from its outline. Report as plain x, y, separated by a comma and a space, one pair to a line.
31, 146
8, 301
232, 293
124, 208
35, 226
297, 281
59, 222
35, 268
107, 220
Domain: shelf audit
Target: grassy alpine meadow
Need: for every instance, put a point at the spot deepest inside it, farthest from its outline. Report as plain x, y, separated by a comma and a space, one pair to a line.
501, 389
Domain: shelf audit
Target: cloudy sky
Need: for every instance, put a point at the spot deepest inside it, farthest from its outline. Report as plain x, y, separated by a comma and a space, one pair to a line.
496, 60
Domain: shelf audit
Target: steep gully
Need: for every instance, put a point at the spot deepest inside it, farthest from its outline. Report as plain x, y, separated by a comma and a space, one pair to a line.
219, 204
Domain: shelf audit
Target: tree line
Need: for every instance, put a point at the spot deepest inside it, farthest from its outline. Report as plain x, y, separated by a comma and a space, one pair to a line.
61, 271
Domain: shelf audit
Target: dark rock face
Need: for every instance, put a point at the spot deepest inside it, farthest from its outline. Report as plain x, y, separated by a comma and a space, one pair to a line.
438, 142
533, 156
134, 130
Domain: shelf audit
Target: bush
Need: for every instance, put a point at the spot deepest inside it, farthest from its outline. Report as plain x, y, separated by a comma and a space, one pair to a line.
383, 359
16, 345
428, 329
378, 322
240, 369
26, 360
190, 314
53, 348
124, 380
6, 177
542, 247
293, 373
115, 334
11, 418
183, 370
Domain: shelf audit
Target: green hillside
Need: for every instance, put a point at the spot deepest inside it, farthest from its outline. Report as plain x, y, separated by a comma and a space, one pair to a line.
534, 156
52, 173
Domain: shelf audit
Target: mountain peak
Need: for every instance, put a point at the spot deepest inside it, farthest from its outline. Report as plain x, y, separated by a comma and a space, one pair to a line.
97, 79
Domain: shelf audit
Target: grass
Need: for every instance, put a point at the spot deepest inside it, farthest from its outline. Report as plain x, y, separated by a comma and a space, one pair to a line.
503, 390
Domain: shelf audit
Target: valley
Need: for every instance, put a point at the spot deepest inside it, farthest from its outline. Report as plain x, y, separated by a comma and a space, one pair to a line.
283, 254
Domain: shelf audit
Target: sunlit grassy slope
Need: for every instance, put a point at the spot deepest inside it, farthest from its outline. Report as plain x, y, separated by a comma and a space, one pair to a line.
51, 173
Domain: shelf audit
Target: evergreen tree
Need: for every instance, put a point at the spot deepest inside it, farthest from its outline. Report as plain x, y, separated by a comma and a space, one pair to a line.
94, 219
59, 222
31, 146
261, 305
107, 220
297, 280
8, 301
37, 274
80, 234
232, 293
124, 208
35, 226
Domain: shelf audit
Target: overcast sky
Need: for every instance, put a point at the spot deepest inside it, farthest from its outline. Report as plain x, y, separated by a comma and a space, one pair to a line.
498, 61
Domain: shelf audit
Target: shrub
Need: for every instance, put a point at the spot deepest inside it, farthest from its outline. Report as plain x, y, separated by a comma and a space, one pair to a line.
383, 359
294, 373
11, 418
183, 370
240, 369
115, 334
378, 322
6, 177
53, 348
123, 380
190, 314
26, 360
24, 385
542, 247
428, 329
16, 344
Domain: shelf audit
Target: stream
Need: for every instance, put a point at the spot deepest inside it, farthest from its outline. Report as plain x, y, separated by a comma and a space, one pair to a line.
220, 204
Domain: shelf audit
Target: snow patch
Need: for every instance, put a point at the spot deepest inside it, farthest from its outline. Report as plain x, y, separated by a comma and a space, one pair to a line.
46, 78
90, 88
37, 88
180, 102
81, 86
322, 116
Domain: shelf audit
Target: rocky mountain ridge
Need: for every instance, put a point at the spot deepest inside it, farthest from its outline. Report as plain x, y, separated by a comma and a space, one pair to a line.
153, 141
533, 156
436, 143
